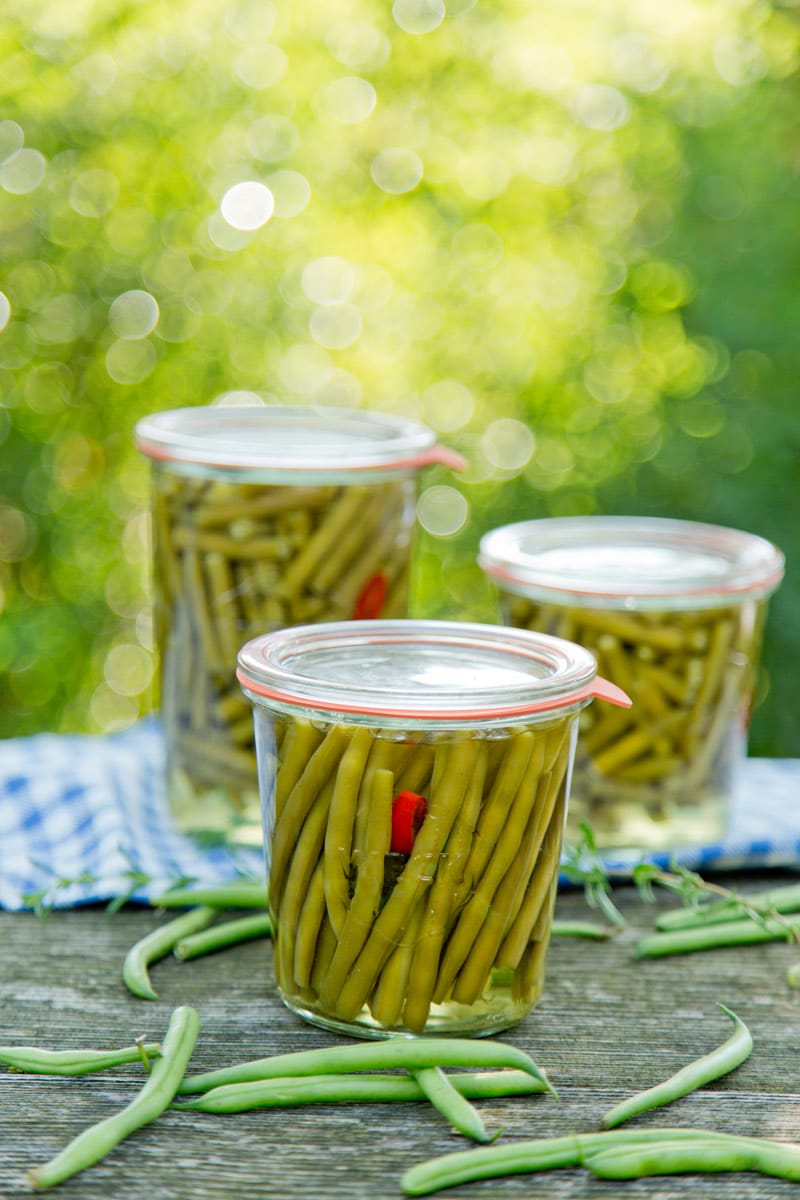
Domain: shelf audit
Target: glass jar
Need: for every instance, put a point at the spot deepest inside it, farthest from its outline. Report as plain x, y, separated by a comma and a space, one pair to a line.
674, 610
414, 778
264, 516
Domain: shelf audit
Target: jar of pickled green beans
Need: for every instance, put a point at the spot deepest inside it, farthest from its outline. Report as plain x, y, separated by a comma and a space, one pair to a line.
414, 779
264, 516
674, 611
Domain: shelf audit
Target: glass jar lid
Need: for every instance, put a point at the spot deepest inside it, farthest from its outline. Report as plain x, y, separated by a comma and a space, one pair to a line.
267, 443
630, 562
437, 673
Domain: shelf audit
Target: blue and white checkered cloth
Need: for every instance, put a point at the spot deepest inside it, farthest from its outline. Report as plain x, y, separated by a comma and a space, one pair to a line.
94, 809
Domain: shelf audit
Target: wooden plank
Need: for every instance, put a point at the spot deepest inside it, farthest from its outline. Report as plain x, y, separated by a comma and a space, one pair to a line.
607, 1025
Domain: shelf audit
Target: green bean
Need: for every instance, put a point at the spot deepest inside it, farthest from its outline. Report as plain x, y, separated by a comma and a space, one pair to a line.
229, 933
341, 820
710, 937
155, 1095
158, 944
355, 1089
442, 902
539, 1154
71, 1062
241, 893
369, 880
304, 858
409, 1053
584, 929
720, 1061
698, 1156
779, 900
309, 925
454, 1107
445, 803
318, 769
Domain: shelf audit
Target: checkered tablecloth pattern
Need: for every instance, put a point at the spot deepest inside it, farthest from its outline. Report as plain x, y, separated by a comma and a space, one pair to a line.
93, 810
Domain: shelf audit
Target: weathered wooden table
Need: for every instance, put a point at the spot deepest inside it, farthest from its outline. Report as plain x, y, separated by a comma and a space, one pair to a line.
607, 1025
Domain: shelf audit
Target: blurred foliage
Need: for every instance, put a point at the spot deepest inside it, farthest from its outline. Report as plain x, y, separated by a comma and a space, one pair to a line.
564, 234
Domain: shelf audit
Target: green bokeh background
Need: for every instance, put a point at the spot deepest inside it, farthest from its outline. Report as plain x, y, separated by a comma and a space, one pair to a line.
563, 234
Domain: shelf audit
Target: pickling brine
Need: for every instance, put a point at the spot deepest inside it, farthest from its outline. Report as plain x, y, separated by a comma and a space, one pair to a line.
264, 517
414, 779
673, 611
450, 931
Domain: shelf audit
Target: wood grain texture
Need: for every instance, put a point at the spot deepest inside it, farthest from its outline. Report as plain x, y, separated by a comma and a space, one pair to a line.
606, 1025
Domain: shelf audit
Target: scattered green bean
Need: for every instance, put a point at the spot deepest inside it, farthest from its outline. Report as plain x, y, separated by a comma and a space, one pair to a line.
720, 1061
156, 1094
454, 1107
584, 929
243, 893
717, 1152
710, 937
776, 900
539, 1154
156, 945
408, 1053
355, 1088
217, 937
71, 1062
616, 1154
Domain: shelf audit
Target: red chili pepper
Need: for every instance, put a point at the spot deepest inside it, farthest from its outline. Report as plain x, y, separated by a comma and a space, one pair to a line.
371, 597
408, 813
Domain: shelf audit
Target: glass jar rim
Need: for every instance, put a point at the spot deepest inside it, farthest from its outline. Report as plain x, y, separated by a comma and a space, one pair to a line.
280, 440
438, 673
630, 562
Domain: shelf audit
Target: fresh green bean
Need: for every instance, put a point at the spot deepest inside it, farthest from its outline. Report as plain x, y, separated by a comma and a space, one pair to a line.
454, 1107
408, 1053
72, 1062
155, 1095
539, 1154
584, 929
710, 937
229, 933
242, 893
284, 1092
778, 900
699, 1156
158, 944
720, 1061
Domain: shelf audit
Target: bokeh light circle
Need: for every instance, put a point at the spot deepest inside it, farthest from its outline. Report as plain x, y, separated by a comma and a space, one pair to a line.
507, 443
442, 511
418, 16
396, 170
134, 314
328, 280
247, 205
